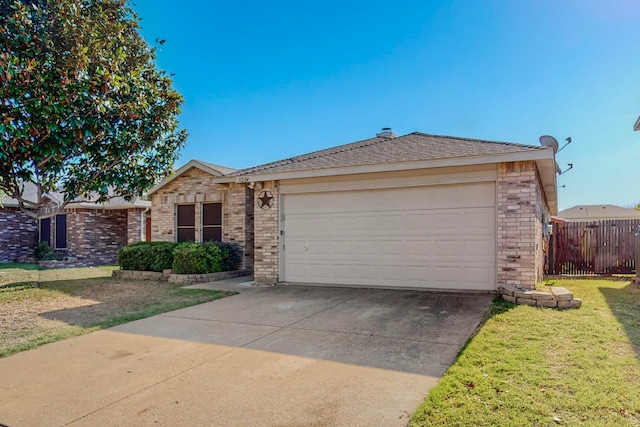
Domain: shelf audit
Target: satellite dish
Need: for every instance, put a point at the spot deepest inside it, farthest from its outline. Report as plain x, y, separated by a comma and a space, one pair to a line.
549, 141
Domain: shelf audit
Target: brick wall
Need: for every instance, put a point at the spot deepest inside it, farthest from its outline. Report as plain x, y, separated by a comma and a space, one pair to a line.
266, 259
240, 220
193, 186
18, 235
135, 225
95, 235
521, 209
196, 187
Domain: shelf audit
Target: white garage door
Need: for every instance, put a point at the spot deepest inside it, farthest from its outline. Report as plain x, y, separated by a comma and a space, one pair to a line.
428, 237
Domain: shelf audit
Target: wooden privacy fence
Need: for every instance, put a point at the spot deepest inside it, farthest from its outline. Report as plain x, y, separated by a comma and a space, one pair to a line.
594, 247
638, 254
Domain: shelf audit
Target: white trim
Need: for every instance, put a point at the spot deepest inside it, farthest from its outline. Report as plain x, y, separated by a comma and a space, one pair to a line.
541, 154
384, 180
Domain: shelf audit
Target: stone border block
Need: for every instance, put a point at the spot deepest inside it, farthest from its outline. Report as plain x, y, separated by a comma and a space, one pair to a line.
561, 294
574, 303
547, 303
509, 298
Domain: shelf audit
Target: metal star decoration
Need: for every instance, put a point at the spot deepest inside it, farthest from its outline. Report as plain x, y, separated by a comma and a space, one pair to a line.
265, 199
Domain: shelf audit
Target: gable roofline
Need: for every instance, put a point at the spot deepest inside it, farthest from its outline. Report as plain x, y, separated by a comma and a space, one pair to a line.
30, 193
637, 125
58, 198
210, 168
362, 144
311, 165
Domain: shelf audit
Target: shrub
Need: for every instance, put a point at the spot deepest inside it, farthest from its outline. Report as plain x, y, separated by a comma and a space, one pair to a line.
146, 256
230, 253
190, 259
43, 252
183, 258
162, 256
134, 258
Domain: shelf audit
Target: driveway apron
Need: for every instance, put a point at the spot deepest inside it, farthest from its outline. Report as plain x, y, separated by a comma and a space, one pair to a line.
277, 356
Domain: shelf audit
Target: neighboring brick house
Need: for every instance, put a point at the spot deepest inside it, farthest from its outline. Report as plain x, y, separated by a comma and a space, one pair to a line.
85, 233
415, 211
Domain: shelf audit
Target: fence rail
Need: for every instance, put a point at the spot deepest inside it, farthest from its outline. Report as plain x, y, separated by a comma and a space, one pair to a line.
595, 247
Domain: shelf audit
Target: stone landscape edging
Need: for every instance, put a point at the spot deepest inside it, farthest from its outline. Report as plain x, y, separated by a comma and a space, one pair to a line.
171, 277
557, 297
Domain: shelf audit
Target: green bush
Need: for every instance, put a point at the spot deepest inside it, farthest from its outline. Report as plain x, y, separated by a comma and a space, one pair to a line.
162, 256
146, 256
183, 258
190, 259
43, 252
230, 254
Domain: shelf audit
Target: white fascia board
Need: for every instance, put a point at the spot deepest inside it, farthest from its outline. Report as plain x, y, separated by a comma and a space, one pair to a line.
106, 206
536, 155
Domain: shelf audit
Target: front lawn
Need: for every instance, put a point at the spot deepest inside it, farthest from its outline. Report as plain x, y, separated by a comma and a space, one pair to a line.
542, 366
42, 306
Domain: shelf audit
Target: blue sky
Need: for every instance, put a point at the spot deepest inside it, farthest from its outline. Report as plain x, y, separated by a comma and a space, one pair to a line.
266, 80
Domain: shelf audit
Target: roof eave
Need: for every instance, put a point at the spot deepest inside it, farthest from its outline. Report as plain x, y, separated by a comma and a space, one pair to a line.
637, 125
142, 204
190, 164
544, 158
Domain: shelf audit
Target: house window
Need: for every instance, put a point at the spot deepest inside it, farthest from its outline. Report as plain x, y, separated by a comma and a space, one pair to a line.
61, 231
45, 231
186, 223
212, 222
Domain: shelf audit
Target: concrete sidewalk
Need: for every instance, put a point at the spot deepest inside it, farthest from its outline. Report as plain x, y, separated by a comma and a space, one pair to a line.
284, 355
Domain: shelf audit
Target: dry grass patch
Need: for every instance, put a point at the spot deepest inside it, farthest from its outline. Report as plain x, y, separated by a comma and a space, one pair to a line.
540, 366
42, 306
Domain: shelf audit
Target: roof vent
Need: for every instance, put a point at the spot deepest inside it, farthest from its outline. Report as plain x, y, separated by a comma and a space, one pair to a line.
386, 133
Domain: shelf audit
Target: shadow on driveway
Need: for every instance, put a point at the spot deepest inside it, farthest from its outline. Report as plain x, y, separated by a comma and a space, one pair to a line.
409, 331
279, 356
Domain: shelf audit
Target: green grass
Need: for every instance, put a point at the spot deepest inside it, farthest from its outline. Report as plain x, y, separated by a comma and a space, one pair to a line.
42, 306
540, 366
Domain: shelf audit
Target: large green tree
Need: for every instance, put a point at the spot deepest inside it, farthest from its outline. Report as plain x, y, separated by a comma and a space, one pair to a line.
83, 108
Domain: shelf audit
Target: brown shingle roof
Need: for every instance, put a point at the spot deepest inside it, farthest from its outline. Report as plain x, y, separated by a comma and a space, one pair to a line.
415, 146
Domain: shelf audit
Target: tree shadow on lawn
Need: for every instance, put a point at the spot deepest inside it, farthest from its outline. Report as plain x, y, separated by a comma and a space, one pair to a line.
625, 305
18, 274
105, 302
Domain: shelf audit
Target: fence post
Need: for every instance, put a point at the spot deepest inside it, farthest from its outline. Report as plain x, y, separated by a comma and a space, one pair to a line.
637, 250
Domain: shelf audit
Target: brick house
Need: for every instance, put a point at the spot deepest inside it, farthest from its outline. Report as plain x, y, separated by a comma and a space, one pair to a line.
415, 211
86, 233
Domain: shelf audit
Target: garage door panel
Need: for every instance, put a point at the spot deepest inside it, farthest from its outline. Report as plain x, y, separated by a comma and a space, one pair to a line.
480, 222
448, 249
447, 274
418, 273
392, 248
432, 237
478, 250
419, 248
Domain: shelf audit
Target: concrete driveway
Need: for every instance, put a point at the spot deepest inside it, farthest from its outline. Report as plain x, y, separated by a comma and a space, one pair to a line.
279, 356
